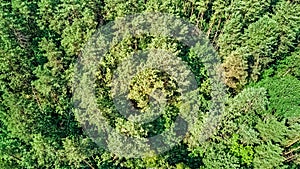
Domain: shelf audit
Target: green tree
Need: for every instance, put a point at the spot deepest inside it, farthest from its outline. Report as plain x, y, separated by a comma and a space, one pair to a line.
268, 156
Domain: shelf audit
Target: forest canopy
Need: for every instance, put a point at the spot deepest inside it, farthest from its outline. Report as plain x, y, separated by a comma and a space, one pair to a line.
256, 41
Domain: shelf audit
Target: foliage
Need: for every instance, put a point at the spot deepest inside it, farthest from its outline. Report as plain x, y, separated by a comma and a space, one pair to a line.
257, 41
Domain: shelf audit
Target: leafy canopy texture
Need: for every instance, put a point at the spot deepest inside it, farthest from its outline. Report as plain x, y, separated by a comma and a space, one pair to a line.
258, 42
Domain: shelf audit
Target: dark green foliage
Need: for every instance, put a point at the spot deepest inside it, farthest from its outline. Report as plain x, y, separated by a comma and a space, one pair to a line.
284, 93
257, 40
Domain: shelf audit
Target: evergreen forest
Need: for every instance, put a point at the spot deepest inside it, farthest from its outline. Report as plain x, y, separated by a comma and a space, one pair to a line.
256, 41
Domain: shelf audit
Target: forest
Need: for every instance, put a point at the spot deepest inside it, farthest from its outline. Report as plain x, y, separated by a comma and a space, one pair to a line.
256, 44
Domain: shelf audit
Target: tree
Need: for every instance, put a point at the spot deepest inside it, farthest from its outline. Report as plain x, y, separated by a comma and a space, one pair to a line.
236, 70
268, 156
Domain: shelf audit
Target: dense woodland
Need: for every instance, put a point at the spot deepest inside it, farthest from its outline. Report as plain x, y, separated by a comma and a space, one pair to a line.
256, 40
